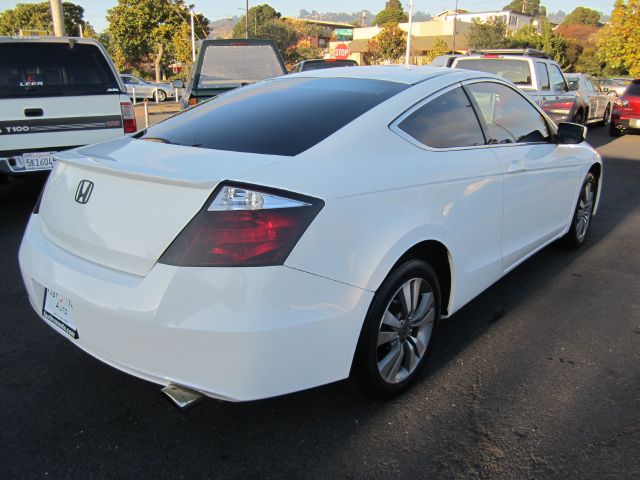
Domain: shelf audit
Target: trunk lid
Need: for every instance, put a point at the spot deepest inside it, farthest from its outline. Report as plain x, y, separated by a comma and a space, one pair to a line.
121, 204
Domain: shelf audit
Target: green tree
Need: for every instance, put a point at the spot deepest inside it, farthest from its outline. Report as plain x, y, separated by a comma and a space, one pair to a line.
259, 16
388, 46
582, 16
440, 48
143, 30
37, 16
546, 40
532, 7
489, 34
392, 14
618, 40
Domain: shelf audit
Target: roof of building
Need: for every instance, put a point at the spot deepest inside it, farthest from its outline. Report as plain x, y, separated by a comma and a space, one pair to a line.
323, 23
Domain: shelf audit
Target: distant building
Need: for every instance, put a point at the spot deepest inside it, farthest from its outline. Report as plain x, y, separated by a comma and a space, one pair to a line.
514, 20
328, 31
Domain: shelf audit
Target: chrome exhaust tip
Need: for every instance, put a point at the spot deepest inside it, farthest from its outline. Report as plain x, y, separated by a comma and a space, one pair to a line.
182, 397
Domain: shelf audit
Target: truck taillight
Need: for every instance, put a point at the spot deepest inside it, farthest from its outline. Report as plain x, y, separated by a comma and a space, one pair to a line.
193, 101
128, 117
243, 226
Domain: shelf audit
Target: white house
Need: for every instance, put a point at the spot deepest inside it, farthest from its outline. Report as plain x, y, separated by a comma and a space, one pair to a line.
514, 20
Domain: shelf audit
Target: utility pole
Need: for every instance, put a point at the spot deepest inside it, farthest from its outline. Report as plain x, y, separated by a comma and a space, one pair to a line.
193, 38
406, 61
246, 21
455, 18
57, 15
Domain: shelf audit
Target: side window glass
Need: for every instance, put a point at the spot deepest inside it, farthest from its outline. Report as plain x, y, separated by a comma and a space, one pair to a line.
508, 116
543, 75
557, 79
446, 121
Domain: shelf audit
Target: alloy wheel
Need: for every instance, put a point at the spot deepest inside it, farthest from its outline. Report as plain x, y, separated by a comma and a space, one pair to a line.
585, 209
405, 330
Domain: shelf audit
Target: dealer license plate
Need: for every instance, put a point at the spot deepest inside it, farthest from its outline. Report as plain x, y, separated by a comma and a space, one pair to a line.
58, 309
38, 160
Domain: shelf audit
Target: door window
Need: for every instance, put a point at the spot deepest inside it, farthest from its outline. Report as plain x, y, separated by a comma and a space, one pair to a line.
508, 116
557, 79
447, 121
543, 75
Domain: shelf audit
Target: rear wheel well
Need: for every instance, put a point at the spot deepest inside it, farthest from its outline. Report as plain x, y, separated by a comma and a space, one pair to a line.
436, 255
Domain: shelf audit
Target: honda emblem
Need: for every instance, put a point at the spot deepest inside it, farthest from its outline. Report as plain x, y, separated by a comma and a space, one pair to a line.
83, 192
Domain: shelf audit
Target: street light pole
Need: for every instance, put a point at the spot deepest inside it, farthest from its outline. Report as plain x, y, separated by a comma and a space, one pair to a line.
57, 15
246, 21
193, 38
406, 61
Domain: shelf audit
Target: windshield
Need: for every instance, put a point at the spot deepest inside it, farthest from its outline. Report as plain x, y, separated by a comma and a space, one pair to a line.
515, 70
33, 69
633, 89
331, 64
279, 117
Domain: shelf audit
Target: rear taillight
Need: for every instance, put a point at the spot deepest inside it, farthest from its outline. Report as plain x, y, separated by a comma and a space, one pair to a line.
193, 101
621, 102
243, 226
128, 117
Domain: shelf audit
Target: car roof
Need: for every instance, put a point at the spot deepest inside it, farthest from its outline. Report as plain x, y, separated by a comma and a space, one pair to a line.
4, 39
407, 74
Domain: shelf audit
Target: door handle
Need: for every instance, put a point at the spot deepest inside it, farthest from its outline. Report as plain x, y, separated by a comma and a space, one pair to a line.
33, 112
516, 166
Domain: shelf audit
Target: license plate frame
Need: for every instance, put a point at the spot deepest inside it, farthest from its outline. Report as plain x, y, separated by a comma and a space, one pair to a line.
58, 309
38, 161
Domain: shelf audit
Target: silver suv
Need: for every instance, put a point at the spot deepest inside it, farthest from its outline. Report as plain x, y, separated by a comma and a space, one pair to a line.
533, 72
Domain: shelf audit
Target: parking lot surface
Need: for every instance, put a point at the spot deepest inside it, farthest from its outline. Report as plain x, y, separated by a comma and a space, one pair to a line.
538, 377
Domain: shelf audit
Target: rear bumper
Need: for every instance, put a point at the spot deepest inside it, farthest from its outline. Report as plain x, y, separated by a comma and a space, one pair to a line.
11, 163
231, 333
625, 121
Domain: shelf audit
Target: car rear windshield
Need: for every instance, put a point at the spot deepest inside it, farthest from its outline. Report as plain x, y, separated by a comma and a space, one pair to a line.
515, 70
332, 64
278, 117
35, 69
231, 66
633, 89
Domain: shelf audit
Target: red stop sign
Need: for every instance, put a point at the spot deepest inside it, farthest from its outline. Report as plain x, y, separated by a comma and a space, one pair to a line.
342, 51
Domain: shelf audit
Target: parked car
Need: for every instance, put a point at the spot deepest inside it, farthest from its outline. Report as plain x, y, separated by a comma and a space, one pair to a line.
445, 60
223, 65
626, 111
56, 94
301, 241
145, 89
319, 64
533, 72
597, 102
612, 85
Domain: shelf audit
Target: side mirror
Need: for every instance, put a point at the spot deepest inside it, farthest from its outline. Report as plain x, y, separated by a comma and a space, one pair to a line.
178, 84
571, 133
605, 89
612, 93
574, 86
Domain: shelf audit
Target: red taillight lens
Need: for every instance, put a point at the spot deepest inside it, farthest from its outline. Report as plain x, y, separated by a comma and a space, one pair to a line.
251, 237
193, 101
128, 117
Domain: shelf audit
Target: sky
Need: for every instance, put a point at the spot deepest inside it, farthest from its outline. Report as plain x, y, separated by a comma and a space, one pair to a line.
95, 10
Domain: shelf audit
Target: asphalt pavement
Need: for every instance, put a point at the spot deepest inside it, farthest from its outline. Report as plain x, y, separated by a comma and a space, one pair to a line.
538, 377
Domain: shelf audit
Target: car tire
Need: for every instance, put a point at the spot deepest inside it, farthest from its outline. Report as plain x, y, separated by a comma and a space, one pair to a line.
397, 335
613, 131
607, 116
162, 95
582, 214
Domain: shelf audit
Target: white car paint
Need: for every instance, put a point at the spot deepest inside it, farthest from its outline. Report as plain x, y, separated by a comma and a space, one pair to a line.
244, 333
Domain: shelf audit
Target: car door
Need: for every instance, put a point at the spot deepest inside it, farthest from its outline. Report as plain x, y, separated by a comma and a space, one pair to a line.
602, 100
564, 99
539, 175
591, 99
466, 203
545, 95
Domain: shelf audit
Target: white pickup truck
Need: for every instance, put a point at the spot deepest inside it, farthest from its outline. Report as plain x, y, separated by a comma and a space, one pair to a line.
56, 93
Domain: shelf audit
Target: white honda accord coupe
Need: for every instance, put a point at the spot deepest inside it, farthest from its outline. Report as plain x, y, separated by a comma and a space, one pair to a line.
303, 229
